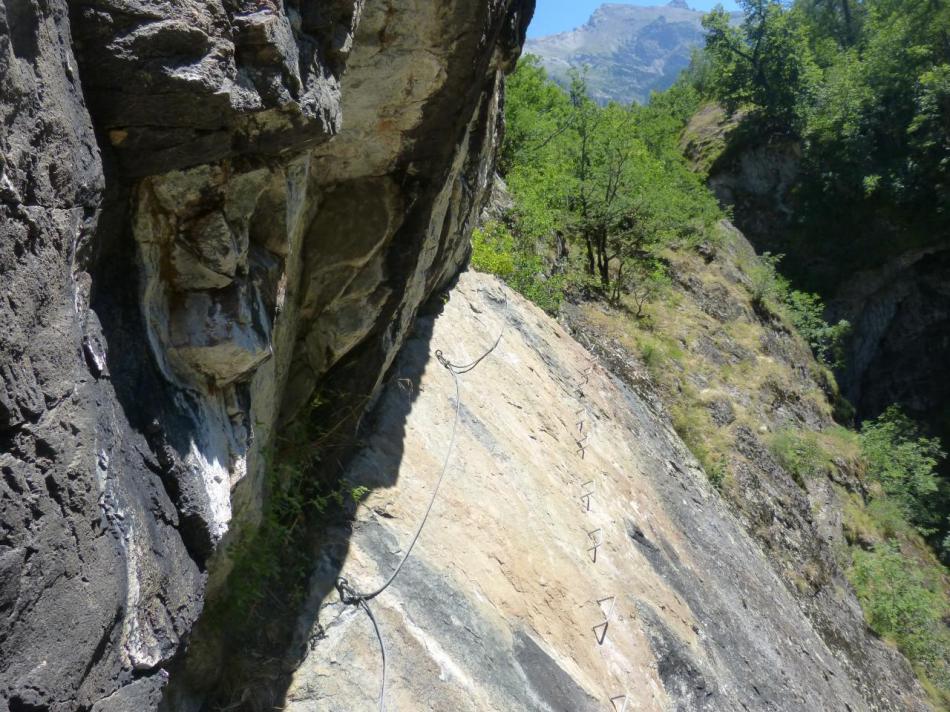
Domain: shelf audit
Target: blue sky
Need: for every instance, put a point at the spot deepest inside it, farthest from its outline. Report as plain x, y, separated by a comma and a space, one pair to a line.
559, 15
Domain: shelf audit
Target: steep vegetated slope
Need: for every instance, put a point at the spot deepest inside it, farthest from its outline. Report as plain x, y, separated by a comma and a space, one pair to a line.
887, 278
747, 396
741, 361
830, 142
208, 211
834, 150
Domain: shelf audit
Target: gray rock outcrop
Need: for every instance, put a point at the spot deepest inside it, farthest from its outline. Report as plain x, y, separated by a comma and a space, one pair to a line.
568, 501
206, 207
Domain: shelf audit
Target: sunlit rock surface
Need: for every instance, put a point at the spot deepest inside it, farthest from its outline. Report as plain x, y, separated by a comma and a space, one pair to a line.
497, 609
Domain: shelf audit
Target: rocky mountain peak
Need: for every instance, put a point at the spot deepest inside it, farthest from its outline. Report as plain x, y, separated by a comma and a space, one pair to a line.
628, 51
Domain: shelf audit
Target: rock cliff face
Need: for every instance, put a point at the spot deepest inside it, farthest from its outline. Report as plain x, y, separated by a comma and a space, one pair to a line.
204, 208
210, 211
569, 503
901, 344
895, 298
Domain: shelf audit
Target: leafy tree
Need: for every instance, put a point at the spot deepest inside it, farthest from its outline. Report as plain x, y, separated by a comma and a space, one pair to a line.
535, 114
904, 462
864, 84
836, 20
929, 132
765, 62
534, 154
607, 184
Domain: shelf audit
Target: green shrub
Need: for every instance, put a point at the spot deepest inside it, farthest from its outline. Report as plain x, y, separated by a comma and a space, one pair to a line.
902, 602
658, 353
806, 312
888, 517
652, 355
495, 250
772, 294
716, 472
800, 454
904, 463
767, 287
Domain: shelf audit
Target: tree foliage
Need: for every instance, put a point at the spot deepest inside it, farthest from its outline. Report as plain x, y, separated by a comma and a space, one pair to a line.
905, 605
865, 85
826, 340
765, 62
904, 462
602, 189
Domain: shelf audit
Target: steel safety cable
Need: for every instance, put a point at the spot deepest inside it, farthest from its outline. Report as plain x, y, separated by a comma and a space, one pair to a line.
349, 595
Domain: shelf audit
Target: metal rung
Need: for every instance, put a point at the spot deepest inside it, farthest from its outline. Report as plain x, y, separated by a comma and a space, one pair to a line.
608, 614
626, 701
593, 553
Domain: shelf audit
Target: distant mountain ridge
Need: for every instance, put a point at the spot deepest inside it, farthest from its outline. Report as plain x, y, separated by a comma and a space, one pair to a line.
629, 50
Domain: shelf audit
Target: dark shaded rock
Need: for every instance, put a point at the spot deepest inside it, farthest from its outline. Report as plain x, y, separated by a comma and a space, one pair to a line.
163, 165
722, 412
682, 677
143, 694
550, 683
900, 348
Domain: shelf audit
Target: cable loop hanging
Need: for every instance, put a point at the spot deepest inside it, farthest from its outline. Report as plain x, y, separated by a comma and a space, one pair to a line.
350, 596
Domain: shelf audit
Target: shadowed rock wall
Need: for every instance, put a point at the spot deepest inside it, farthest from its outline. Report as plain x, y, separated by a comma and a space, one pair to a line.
205, 206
